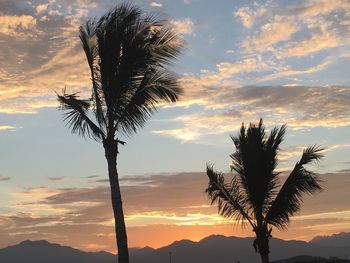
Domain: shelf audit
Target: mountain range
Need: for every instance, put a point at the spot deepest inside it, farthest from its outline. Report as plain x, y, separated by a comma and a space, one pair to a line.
214, 248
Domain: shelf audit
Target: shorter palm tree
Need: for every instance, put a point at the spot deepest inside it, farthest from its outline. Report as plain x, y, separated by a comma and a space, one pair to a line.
256, 195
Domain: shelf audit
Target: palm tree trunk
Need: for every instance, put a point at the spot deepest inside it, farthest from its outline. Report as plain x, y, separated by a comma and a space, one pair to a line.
120, 229
263, 246
264, 258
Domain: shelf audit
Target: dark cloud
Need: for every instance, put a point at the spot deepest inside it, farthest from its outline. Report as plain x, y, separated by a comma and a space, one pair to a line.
102, 181
301, 107
344, 170
176, 191
91, 176
58, 178
4, 178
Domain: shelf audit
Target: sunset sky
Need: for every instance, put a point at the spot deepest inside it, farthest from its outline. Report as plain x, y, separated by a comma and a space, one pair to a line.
283, 61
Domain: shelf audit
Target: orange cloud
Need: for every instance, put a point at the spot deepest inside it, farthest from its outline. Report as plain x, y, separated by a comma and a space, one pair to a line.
249, 15
16, 26
173, 207
312, 8
287, 104
183, 27
271, 33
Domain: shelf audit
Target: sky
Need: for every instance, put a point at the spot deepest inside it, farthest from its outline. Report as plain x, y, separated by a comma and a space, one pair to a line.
283, 61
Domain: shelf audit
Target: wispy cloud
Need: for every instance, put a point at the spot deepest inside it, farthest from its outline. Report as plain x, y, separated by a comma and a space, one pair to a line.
57, 178
298, 106
249, 15
17, 25
294, 72
4, 178
310, 26
31, 72
41, 8
6, 127
183, 26
281, 29
156, 4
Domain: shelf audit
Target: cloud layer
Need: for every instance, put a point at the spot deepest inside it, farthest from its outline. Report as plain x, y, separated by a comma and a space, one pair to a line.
42, 55
168, 206
298, 106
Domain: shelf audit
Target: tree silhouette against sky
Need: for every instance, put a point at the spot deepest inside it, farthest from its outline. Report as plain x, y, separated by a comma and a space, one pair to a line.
256, 195
128, 53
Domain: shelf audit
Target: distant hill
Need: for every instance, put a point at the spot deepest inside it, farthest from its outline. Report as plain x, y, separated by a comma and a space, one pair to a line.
233, 249
45, 252
336, 240
210, 249
311, 259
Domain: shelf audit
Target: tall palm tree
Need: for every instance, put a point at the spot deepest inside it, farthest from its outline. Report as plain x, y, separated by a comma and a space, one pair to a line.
255, 195
128, 53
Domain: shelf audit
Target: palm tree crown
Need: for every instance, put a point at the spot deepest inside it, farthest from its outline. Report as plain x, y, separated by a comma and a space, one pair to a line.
127, 53
255, 194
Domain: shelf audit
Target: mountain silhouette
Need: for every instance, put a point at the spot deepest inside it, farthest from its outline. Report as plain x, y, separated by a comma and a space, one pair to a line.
336, 240
43, 252
311, 259
207, 250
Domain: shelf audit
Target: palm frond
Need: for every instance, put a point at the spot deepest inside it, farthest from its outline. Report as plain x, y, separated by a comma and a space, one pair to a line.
129, 44
115, 55
311, 154
76, 116
272, 147
88, 39
127, 53
228, 196
157, 86
165, 45
301, 181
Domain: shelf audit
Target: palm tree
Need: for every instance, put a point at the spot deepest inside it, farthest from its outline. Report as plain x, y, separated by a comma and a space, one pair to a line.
255, 195
128, 53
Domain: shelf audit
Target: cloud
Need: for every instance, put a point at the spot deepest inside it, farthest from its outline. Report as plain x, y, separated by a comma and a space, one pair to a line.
58, 178
298, 106
173, 207
74, 210
281, 29
6, 127
183, 26
156, 4
293, 72
17, 26
4, 178
309, 26
248, 15
323, 34
344, 170
207, 87
315, 43
290, 152
32, 70
312, 8
41, 8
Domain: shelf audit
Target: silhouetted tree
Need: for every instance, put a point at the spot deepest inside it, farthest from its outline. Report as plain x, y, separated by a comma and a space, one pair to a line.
128, 53
255, 195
